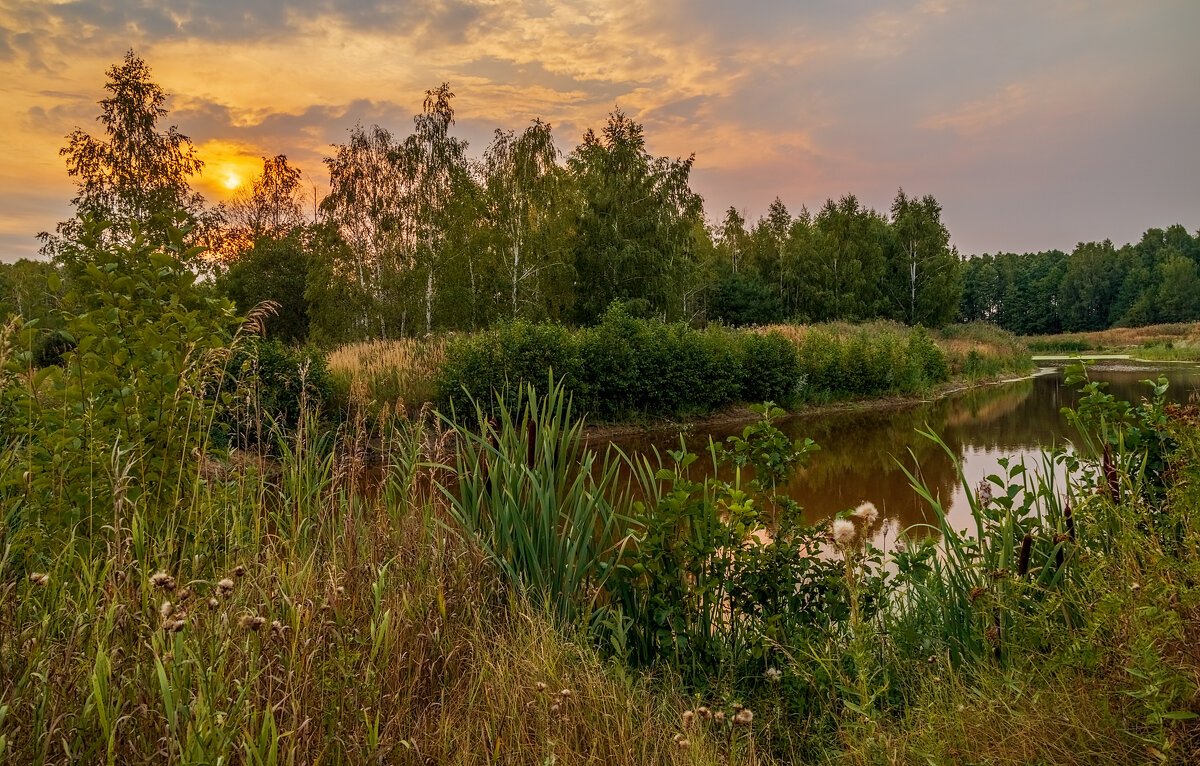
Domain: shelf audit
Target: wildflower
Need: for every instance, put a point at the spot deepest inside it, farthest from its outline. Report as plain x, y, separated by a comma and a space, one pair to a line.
252, 622
166, 609
843, 531
224, 587
161, 579
687, 716
744, 717
867, 513
40, 578
773, 675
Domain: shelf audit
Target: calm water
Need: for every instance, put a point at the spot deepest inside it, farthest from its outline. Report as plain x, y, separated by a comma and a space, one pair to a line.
859, 450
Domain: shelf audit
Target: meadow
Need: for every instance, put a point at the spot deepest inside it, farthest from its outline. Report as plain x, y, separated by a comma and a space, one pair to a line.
191, 577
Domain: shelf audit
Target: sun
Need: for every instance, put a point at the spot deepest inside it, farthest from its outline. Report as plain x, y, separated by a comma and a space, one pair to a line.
231, 181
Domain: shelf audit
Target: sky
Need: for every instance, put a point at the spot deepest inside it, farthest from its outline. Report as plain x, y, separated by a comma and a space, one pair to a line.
1036, 124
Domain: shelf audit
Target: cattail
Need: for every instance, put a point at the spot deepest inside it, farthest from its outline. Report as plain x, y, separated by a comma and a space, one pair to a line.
1070, 517
161, 579
867, 513
531, 441
224, 587
1111, 475
843, 531
1023, 559
983, 493
744, 717
1060, 556
40, 579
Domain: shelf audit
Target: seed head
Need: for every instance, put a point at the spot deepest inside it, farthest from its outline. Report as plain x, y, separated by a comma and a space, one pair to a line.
719, 716
843, 531
239, 570
40, 579
224, 587
175, 624
704, 713
540, 686
565, 693
252, 622
774, 674
744, 717
688, 715
184, 595
277, 629
212, 602
166, 609
682, 743
867, 513
161, 579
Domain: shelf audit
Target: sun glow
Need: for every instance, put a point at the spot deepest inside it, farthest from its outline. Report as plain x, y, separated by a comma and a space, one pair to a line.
228, 166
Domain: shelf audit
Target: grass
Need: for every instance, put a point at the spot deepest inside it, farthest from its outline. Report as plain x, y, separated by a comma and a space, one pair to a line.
398, 373
1160, 343
294, 612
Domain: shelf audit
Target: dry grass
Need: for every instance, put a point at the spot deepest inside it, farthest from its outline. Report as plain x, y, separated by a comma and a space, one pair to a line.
1160, 342
399, 373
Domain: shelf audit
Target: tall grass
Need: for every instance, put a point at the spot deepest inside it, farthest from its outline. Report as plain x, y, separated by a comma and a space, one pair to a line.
399, 373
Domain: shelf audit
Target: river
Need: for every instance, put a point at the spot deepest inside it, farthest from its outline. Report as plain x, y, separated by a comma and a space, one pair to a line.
861, 449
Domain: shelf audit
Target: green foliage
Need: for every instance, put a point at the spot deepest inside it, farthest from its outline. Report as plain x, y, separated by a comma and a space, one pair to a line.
622, 367
268, 386
116, 432
722, 575
274, 269
836, 366
537, 501
743, 299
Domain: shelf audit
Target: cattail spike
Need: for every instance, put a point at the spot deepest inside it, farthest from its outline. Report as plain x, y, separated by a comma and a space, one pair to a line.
1023, 560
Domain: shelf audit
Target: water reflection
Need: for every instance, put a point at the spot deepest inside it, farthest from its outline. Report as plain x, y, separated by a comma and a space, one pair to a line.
860, 449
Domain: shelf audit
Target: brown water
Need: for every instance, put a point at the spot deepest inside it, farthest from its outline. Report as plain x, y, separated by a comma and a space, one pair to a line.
860, 450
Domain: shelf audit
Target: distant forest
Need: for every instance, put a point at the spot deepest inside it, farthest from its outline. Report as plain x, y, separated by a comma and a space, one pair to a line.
417, 236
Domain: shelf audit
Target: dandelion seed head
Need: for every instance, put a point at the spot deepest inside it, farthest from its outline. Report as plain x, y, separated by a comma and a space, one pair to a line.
843, 531
774, 674
212, 602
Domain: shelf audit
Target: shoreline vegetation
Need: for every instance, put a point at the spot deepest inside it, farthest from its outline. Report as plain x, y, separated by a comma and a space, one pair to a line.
803, 368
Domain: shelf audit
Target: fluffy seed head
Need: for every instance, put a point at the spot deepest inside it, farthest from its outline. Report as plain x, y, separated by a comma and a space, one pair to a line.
682, 744
773, 674
161, 579
40, 578
184, 595
239, 570
719, 716
166, 609
540, 686
744, 717
212, 602
252, 622
843, 531
224, 587
867, 513
688, 715
704, 713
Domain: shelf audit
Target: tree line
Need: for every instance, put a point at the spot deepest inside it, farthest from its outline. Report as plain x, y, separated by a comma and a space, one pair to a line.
1095, 287
415, 235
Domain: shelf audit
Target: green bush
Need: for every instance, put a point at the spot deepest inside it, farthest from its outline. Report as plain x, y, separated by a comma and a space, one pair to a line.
770, 368
270, 383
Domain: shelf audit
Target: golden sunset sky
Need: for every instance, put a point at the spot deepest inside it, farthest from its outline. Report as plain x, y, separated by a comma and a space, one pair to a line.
1036, 124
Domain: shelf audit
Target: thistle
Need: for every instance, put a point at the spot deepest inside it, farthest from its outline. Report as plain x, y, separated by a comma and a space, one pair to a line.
41, 579
843, 531
161, 579
867, 513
